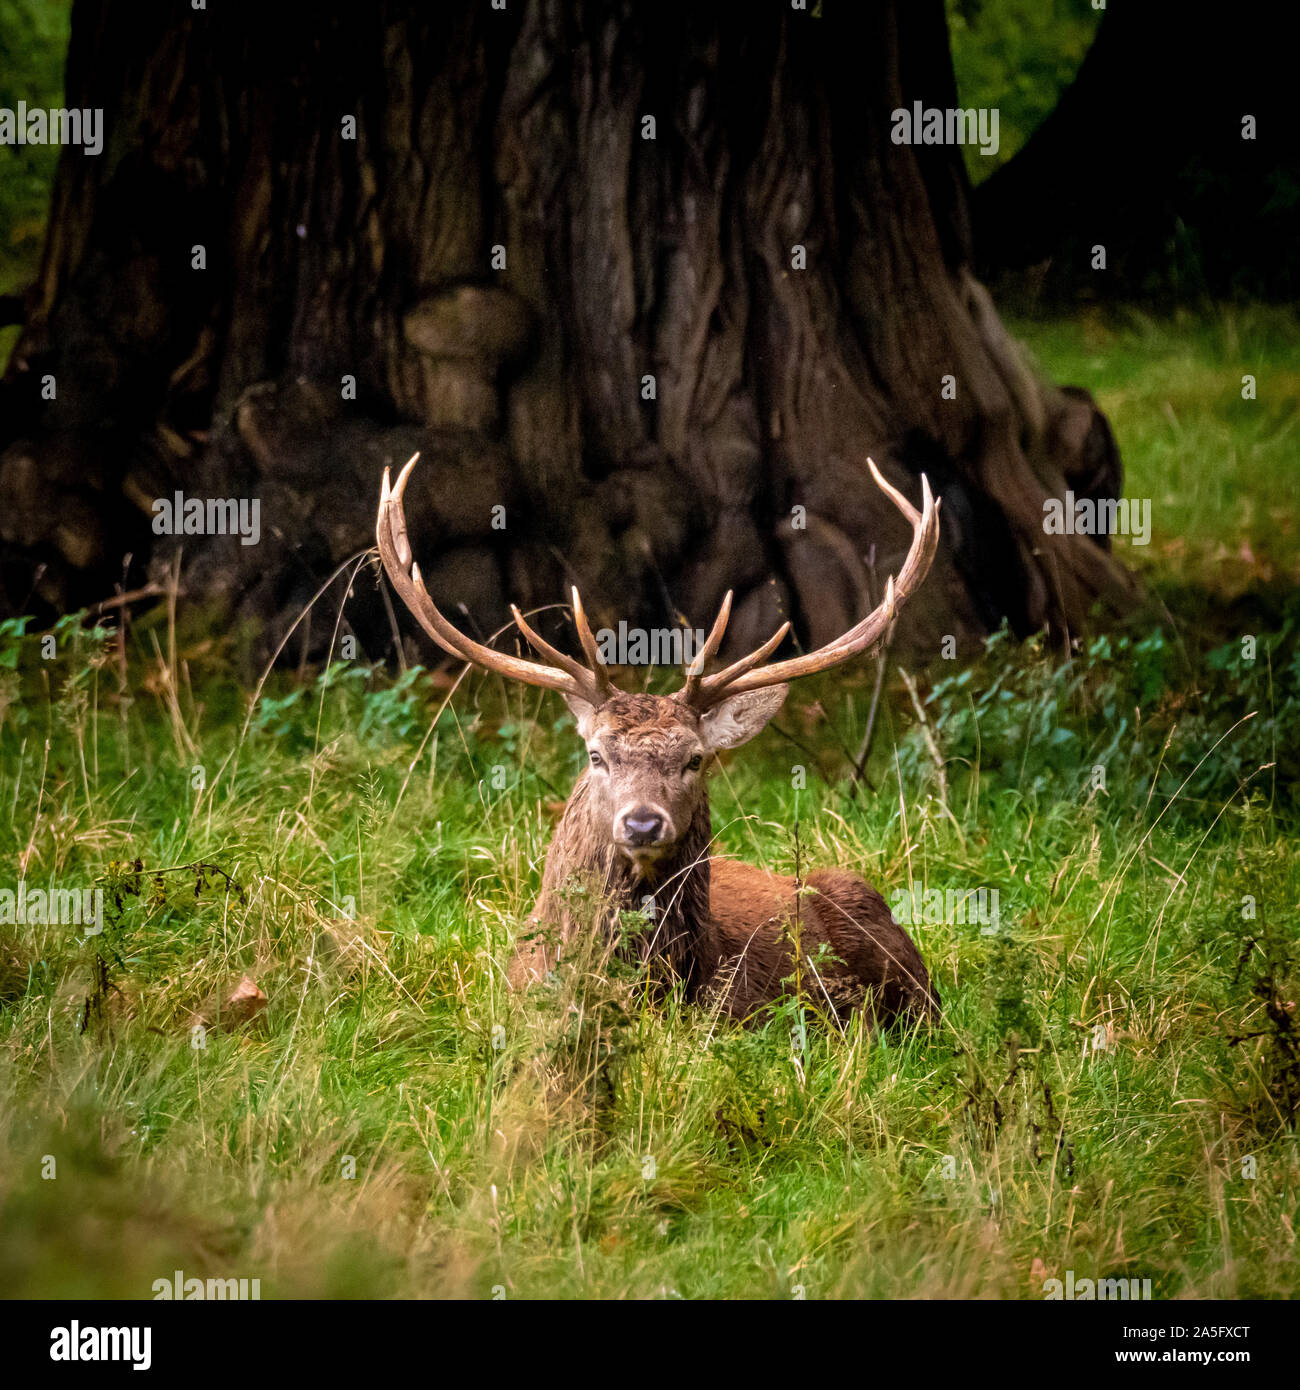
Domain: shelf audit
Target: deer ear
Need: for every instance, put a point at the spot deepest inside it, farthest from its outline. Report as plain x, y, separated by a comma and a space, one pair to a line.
584, 712
737, 720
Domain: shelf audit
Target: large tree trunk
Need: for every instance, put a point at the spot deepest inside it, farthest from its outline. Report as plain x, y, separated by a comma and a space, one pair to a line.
519, 373
1149, 156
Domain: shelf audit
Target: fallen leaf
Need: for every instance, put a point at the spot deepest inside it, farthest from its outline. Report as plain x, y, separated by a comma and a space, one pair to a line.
232, 1008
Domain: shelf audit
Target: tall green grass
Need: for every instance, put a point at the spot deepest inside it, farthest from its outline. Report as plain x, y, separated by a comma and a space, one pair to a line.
1220, 469
1113, 1089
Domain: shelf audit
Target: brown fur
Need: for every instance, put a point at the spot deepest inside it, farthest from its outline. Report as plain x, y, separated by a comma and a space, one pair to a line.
868, 961
724, 928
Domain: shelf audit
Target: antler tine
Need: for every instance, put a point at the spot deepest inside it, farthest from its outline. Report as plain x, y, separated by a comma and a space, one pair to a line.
558, 658
584, 631
400, 566
896, 497
695, 668
747, 674
747, 663
404, 574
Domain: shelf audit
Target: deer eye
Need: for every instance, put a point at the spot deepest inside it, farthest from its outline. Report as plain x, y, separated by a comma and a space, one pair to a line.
596, 759
695, 763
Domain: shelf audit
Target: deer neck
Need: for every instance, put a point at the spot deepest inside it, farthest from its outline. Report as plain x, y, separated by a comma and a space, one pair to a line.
674, 895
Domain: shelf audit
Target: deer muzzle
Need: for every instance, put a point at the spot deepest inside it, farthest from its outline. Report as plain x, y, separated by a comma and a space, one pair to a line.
643, 833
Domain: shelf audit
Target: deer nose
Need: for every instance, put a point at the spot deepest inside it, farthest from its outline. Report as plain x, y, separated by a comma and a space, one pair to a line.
642, 826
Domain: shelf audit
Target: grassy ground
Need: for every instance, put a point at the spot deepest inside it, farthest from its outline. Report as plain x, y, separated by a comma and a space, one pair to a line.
1113, 1090
1220, 470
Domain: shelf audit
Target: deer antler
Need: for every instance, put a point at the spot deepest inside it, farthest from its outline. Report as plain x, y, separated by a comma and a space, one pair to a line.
703, 692
562, 673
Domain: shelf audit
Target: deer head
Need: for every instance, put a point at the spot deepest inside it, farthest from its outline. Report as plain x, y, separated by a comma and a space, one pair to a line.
644, 790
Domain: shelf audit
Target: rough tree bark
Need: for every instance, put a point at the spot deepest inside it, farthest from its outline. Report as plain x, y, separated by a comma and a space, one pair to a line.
372, 258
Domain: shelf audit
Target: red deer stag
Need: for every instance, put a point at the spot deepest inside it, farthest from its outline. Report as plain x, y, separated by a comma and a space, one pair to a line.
636, 831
